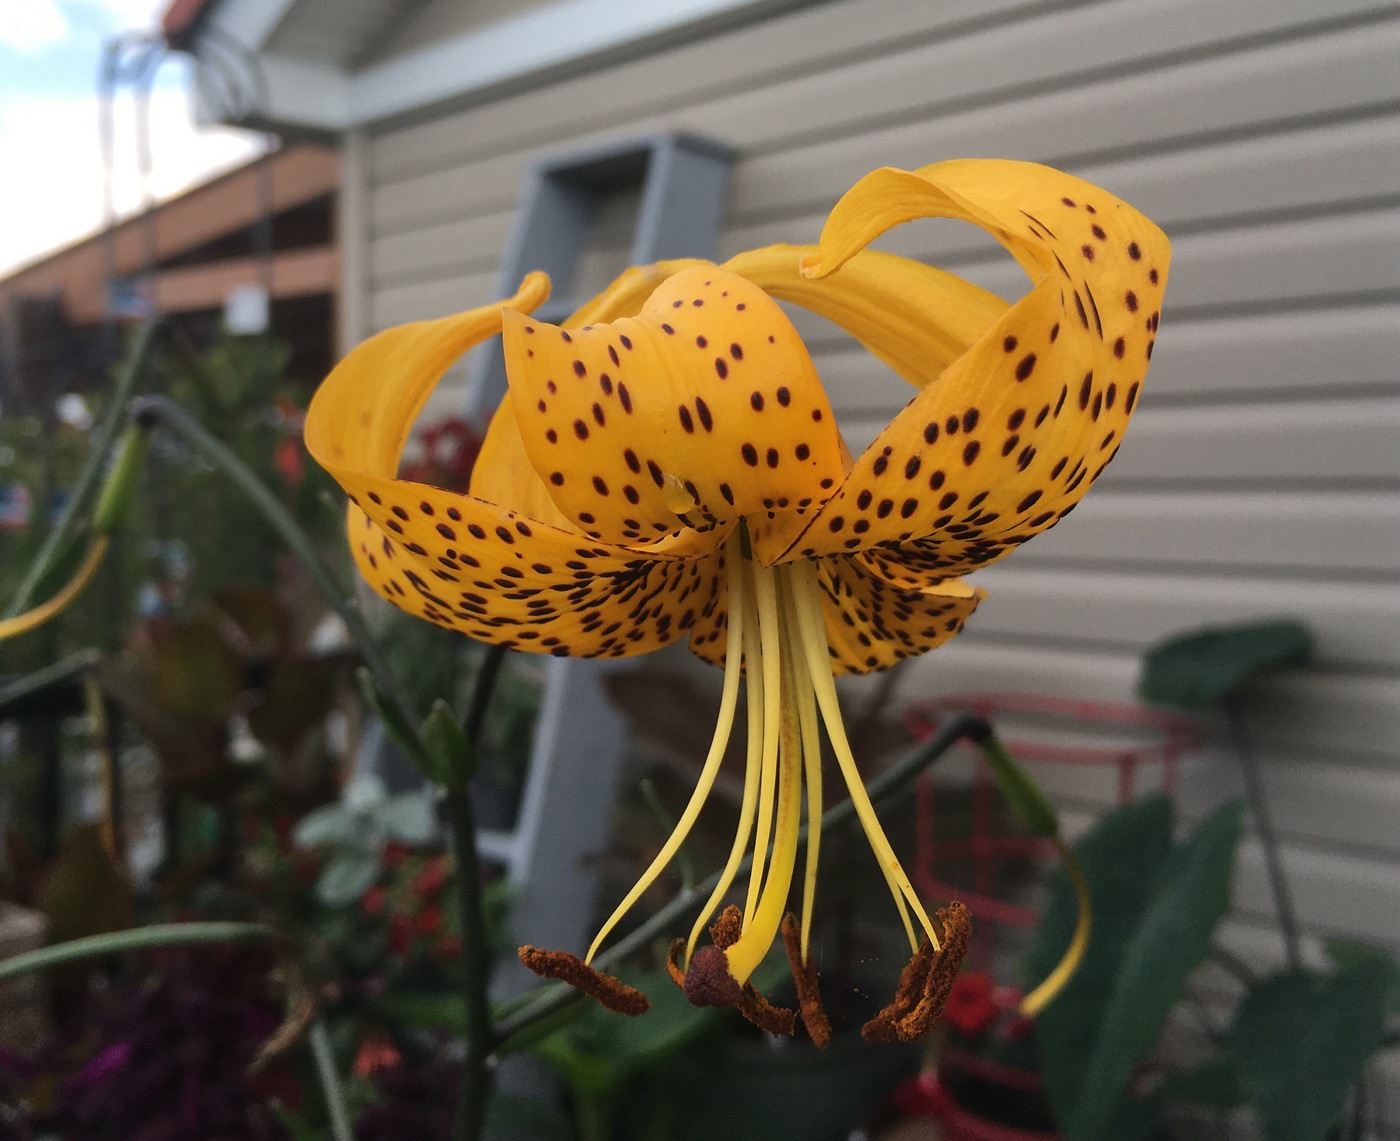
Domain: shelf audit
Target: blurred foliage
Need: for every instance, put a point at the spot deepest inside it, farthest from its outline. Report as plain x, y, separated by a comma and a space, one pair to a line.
1298, 1042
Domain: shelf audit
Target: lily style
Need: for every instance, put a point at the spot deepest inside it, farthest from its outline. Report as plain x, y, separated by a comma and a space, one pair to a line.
667, 465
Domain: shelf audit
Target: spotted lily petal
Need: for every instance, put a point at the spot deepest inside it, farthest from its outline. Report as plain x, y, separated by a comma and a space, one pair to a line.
488, 569
1013, 433
916, 318
702, 410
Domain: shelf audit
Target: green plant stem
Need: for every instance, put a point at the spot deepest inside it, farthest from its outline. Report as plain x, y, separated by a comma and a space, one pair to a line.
151, 411
131, 371
550, 999
475, 1085
331, 1092
1268, 837
158, 935
71, 668
476, 1073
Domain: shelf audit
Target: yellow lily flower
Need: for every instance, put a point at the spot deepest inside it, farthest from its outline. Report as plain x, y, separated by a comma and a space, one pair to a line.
667, 466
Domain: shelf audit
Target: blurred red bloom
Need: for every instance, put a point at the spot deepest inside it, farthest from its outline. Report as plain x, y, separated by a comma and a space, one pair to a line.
972, 1008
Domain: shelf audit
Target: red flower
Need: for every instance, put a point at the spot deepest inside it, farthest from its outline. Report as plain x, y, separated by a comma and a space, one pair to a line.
431, 879
395, 853
376, 1053
972, 1008
429, 921
400, 935
373, 901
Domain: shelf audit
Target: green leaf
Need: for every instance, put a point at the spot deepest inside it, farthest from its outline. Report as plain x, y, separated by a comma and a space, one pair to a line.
346, 877
329, 824
424, 1011
1348, 953
1122, 857
1026, 797
1303, 1039
397, 728
1214, 1085
452, 755
1200, 669
1165, 947
409, 816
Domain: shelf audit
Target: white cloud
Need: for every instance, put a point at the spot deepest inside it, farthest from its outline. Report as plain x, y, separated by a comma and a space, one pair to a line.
52, 193
33, 25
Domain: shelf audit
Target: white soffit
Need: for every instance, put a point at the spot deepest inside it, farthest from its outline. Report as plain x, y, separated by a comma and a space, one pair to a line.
311, 94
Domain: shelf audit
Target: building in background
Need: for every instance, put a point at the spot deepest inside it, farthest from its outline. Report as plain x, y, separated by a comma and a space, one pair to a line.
252, 250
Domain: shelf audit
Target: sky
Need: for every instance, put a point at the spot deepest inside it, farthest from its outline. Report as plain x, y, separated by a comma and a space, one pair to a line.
51, 172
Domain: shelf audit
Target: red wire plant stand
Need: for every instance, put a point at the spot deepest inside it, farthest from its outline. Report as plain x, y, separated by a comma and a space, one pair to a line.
1037, 730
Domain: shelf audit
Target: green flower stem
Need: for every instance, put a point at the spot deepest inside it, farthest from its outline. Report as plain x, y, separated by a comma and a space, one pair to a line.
475, 1087
151, 411
131, 371
158, 935
331, 1092
511, 1032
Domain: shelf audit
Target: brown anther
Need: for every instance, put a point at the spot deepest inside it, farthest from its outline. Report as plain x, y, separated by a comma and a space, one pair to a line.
957, 933
804, 977
883, 1027
708, 981
727, 927
675, 960
612, 993
763, 1014
925, 982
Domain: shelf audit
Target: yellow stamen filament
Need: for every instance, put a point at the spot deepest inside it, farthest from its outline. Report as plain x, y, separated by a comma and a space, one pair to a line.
761, 927
23, 623
734, 577
765, 588
1033, 1003
807, 601
752, 768
812, 764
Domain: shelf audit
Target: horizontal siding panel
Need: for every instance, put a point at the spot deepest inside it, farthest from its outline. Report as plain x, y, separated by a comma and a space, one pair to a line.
1351, 70
430, 299
753, 55
1311, 803
1298, 711
1323, 440
465, 244
1356, 623
1271, 172
1327, 73
1251, 355
1330, 531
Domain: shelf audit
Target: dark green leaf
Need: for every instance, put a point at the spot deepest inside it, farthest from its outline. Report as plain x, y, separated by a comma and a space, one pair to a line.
1303, 1040
1347, 953
453, 756
1214, 1084
1165, 947
1122, 857
1026, 797
1200, 669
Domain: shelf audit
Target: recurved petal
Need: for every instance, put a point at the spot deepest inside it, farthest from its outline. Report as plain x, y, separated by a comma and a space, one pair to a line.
702, 409
361, 416
500, 577
873, 621
916, 318
628, 292
1013, 433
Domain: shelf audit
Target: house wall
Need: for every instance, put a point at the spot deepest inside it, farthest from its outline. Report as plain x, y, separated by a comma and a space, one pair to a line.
1260, 475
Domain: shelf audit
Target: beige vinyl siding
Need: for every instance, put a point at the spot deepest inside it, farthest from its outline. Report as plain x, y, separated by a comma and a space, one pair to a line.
1261, 474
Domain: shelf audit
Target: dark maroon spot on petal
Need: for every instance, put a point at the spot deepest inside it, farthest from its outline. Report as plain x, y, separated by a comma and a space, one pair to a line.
580, 429
736, 351
721, 368
633, 463
599, 485
756, 401
667, 329
579, 370
908, 508
863, 500
1086, 390
930, 432
970, 452
656, 475
702, 341
725, 491
1025, 367
772, 457
598, 414
686, 421
1120, 346
1098, 232
1130, 300
625, 397
911, 469
557, 478
969, 420
802, 451
1134, 252
750, 454
702, 410
454, 514
1009, 344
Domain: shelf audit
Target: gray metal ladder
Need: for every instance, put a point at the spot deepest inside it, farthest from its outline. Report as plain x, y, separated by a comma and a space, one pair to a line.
579, 740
